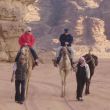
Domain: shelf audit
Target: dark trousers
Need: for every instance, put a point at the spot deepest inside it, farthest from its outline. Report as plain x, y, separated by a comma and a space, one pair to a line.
20, 90
80, 86
35, 56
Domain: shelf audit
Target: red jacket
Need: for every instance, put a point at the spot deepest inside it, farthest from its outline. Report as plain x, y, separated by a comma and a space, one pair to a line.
27, 39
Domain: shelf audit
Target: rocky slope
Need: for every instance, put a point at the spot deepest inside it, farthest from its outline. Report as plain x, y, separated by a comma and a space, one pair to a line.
87, 20
11, 25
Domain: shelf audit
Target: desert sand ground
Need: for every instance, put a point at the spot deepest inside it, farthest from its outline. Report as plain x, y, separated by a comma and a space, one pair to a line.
45, 88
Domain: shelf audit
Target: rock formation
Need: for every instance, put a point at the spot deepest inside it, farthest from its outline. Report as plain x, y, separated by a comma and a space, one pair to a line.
11, 26
87, 20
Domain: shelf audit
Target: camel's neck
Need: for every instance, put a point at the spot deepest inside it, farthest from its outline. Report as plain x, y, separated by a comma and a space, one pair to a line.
65, 63
29, 60
66, 59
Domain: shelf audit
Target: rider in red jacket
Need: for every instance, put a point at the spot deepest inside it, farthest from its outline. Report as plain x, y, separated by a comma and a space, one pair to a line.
27, 39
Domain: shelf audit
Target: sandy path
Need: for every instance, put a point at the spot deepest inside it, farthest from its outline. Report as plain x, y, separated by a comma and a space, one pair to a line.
44, 92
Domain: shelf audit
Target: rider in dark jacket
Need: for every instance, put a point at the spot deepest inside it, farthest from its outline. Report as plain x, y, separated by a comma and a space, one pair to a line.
65, 39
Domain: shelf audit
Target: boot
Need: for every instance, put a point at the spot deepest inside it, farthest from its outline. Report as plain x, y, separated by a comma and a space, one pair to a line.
56, 61
35, 64
72, 63
80, 99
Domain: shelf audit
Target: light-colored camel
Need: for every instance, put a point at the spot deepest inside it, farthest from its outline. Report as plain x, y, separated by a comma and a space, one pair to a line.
29, 61
64, 67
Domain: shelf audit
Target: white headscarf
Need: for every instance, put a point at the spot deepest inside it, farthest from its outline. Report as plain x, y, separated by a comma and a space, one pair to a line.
84, 61
86, 67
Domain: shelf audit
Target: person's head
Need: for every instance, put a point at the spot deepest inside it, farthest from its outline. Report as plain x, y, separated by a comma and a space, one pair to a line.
22, 59
28, 30
82, 60
66, 31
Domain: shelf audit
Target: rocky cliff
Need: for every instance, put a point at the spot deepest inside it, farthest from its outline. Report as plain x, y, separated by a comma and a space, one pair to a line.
12, 14
87, 20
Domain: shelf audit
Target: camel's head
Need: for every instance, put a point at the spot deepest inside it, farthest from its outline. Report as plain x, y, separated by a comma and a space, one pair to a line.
25, 50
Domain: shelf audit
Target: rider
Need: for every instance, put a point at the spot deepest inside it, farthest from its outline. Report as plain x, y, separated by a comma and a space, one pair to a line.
27, 39
65, 39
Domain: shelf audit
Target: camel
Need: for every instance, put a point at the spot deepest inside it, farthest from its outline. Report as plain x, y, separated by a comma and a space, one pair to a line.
92, 61
29, 61
64, 68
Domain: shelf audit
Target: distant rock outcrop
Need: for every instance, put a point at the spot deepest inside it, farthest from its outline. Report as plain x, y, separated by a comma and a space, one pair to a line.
104, 14
87, 20
89, 30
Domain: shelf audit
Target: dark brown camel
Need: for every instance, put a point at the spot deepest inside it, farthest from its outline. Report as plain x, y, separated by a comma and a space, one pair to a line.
92, 61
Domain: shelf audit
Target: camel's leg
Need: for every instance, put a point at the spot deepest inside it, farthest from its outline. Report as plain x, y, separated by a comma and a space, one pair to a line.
65, 83
63, 76
87, 87
27, 87
87, 91
62, 83
62, 93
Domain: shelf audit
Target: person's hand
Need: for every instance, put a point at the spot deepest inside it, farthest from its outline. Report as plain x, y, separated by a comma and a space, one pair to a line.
12, 79
88, 80
66, 43
25, 44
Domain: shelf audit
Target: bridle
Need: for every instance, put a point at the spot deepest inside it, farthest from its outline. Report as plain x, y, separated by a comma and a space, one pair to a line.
91, 59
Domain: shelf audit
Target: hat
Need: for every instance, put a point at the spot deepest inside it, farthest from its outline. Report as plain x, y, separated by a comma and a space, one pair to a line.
28, 29
66, 30
81, 58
